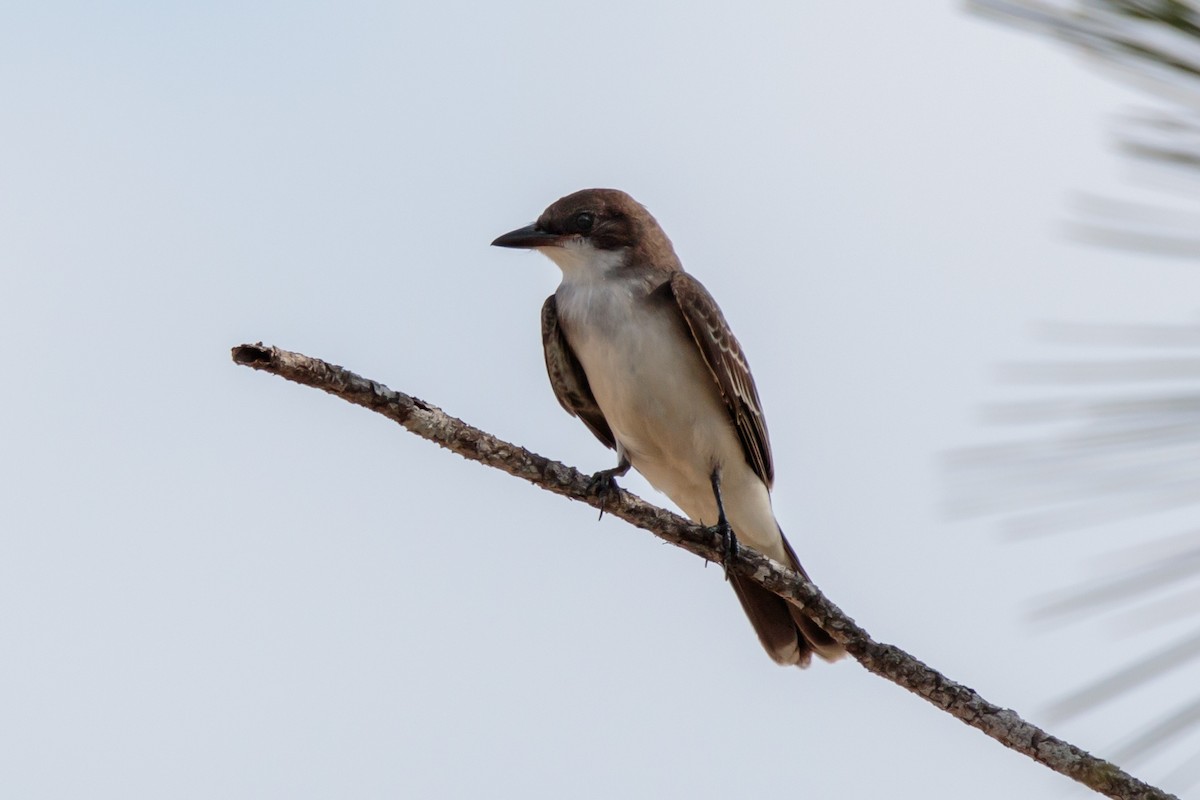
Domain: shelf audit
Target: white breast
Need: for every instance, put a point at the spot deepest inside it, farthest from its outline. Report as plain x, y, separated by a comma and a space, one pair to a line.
652, 384
657, 393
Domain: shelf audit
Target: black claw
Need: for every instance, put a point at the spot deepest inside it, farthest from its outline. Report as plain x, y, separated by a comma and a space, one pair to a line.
729, 542
604, 484
729, 546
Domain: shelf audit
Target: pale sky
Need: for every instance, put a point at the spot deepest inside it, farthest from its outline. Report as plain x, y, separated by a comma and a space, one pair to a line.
217, 584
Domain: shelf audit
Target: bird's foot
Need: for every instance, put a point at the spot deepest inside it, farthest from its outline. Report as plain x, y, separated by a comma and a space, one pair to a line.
729, 542
604, 485
729, 545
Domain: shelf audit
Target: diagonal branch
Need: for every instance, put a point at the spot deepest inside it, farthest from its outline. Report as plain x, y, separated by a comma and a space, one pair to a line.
885, 660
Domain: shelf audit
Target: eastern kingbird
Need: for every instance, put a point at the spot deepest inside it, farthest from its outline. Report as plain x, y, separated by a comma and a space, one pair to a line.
639, 351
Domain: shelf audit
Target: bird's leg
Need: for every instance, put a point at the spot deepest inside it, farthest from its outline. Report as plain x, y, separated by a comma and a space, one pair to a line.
604, 483
729, 542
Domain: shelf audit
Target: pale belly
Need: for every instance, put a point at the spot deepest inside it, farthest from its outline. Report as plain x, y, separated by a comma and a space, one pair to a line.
665, 410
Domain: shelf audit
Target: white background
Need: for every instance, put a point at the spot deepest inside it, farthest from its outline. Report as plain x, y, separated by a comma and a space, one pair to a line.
217, 584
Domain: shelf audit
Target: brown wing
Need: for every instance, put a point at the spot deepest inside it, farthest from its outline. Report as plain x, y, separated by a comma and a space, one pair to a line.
568, 379
724, 357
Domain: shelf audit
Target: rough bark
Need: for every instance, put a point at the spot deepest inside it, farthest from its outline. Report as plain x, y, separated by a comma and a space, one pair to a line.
885, 660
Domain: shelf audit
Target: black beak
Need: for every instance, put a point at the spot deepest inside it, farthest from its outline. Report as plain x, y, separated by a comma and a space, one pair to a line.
528, 237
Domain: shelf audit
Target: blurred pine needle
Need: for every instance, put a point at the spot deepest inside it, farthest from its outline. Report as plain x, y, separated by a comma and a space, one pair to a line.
1117, 436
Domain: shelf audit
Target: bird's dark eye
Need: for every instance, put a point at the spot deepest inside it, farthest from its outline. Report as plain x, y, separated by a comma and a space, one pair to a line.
584, 221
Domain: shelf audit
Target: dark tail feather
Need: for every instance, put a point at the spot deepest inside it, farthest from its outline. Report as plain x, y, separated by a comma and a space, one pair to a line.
786, 633
772, 620
825, 645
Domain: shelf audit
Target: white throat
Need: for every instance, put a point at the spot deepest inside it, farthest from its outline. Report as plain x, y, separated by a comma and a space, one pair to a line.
580, 262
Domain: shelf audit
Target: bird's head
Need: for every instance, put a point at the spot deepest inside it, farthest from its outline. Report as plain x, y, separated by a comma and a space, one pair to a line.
595, 231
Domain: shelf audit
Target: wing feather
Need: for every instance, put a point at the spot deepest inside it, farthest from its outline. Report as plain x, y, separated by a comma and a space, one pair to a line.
568, 379
729, 368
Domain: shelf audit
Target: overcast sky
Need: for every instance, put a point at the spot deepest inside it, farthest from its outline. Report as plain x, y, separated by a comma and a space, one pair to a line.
217, 584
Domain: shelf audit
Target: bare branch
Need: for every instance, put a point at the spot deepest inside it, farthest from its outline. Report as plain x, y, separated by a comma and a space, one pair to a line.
888, 661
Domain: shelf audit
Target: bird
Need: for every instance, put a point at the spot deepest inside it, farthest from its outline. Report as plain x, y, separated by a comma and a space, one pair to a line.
639, 351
